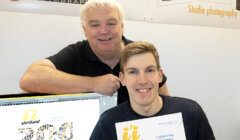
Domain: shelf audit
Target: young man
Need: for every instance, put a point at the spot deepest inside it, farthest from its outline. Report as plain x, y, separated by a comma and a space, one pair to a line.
141, 73
90, 65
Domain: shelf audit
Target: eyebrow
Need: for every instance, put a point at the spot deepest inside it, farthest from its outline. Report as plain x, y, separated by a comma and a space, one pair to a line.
132, 68
95, 21
128, 69
112, 19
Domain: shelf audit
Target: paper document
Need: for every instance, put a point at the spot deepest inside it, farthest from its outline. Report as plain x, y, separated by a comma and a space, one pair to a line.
167, 127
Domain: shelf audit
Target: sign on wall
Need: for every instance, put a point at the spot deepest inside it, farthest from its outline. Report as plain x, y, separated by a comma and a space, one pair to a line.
218, 13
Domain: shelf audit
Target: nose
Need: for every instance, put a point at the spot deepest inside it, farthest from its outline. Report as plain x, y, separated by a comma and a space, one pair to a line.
104, 29
142, 78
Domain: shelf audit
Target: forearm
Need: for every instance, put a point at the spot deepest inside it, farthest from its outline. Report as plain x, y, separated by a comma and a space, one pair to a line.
45, 79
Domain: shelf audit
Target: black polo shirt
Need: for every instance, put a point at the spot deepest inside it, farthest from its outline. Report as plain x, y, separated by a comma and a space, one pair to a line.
79, 59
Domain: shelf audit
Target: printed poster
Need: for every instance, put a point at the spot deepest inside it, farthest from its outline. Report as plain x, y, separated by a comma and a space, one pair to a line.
216, 13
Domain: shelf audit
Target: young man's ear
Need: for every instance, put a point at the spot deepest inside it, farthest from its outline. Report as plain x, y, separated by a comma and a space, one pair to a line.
160, 72
121, 77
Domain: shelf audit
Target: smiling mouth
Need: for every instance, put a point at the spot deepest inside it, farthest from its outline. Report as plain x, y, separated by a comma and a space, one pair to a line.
144, 90
107, 39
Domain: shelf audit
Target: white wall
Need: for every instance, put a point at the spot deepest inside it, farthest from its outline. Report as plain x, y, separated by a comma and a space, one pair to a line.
25, 38
201, 63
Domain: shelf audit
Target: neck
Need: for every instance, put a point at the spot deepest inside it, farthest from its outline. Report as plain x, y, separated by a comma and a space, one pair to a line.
150, 110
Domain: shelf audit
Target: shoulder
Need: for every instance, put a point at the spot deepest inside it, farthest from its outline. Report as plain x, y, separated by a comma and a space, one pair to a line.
114, 114
76, 49
195, 120
115, 110
79, 45
179, 100
180, 104
105, 127
192, 112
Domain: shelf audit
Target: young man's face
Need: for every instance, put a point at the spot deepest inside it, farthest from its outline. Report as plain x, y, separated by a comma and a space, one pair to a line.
103, 30
141, 77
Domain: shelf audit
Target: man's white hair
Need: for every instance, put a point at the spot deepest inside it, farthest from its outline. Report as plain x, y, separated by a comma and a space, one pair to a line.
103, 3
